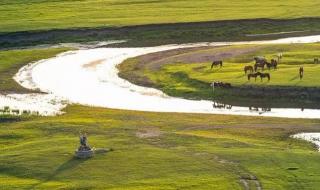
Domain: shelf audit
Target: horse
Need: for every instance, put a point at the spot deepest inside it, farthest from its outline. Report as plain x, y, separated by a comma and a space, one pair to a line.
216, 63
316, 60
265, 75
273, 64
260, 59
248, 68
253, 75
257, 65
301, 72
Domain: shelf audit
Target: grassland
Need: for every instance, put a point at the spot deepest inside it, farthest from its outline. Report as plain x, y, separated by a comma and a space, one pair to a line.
151, 150
17, 15
156, 151
12, 60
287, 73
146, 23
188, 74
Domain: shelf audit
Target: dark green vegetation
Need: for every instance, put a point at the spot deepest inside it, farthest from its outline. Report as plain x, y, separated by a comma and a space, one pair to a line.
157, 151
151, 35
147, 23
12, 60
187, 73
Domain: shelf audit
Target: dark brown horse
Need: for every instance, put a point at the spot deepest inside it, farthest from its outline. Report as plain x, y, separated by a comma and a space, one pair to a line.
248, 68
216, 63
273, 64
253, 75
265, 75
301, 72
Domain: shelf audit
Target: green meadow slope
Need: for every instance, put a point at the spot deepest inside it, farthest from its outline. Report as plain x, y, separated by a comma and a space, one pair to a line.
157, 151
18, 15
147, 23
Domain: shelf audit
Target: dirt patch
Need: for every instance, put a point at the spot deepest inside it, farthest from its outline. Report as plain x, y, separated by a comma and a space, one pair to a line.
155, 61
93, 64
151, 132
250, 179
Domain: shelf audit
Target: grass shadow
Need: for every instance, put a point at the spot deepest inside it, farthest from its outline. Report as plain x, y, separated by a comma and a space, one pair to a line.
69, 164
294, 78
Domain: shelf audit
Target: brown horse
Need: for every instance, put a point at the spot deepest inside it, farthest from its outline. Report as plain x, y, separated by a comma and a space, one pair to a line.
253, 75
216, 63
265, 75
248, 68
301, 72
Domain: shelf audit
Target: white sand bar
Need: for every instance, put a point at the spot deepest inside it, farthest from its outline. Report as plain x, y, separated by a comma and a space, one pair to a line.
90, 77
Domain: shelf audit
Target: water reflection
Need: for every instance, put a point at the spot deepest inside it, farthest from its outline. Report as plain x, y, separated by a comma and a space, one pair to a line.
221, 105
259, 110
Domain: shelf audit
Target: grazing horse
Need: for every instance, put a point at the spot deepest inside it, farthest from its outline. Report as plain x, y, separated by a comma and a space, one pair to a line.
260, 62
253, 75
316, 60
301, 72
273, 64
265, 75
216, 63
248, 68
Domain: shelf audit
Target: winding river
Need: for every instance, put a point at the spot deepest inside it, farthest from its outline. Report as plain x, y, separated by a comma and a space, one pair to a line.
90, 77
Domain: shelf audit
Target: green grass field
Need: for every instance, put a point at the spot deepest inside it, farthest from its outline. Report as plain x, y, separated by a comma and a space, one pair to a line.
287, 73
18, 15
156, 151
149, 23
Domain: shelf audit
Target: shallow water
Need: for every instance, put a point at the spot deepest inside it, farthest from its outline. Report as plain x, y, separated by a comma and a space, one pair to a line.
311, 137
69, 77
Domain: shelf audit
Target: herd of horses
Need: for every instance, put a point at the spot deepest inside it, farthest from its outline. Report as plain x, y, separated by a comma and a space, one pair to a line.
260, 64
